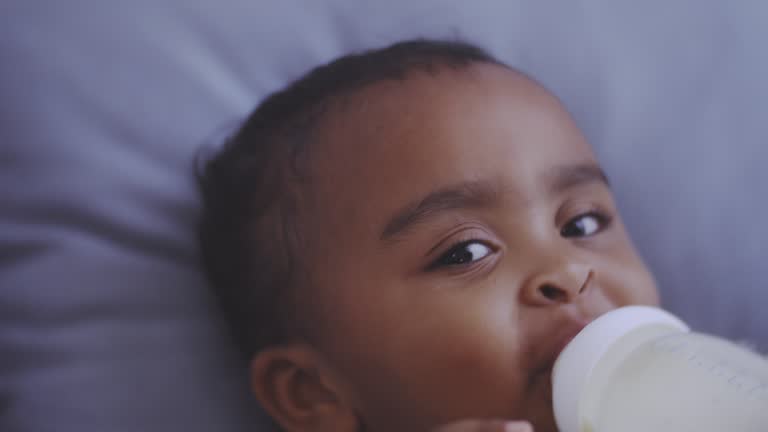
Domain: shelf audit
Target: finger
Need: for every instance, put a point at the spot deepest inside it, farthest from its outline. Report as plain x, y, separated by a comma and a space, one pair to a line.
486, 426
518, 427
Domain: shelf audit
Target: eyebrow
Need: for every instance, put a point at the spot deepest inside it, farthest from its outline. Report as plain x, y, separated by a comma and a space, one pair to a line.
484, 194
465, 195
563, 178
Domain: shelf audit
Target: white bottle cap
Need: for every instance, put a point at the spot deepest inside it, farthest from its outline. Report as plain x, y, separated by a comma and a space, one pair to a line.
575, 364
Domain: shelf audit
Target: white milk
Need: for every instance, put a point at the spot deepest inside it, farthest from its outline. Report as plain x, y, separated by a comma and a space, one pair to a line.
639, 369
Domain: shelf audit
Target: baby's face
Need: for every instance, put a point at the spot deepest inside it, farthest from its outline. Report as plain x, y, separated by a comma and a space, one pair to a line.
460, 232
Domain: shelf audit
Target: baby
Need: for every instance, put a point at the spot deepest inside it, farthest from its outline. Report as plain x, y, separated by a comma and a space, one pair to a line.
405, 239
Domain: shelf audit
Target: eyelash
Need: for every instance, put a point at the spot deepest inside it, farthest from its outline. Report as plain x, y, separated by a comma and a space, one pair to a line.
604, 221
458, 247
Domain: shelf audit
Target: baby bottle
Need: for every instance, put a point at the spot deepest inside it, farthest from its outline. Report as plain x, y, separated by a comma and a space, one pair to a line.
640, 369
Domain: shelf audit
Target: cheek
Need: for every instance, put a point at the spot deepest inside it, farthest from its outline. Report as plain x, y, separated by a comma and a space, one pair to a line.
627, 281
424, 355
622, 275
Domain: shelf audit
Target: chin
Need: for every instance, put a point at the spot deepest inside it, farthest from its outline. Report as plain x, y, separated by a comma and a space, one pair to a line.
543, 417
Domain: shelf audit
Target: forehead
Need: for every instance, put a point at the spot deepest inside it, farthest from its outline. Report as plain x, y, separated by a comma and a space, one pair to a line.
397, 140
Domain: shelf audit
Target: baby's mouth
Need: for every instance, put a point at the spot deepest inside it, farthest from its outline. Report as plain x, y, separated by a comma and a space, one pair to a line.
539, 389
549, 356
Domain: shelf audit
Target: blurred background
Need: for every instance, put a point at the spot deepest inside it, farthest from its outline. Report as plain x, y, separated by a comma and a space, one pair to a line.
105, 322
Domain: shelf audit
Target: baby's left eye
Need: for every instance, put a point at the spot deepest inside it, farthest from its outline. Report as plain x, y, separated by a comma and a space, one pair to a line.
585, 225
464, 253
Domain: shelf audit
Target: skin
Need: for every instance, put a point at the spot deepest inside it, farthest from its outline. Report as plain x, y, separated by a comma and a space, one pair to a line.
423, 316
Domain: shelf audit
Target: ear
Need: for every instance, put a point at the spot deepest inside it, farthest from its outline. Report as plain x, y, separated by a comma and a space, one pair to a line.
298, 391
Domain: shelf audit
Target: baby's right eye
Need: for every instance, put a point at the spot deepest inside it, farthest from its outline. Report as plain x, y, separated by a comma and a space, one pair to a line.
464, 253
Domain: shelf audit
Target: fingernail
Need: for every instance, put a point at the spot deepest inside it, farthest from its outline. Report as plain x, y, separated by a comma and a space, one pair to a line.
518, 427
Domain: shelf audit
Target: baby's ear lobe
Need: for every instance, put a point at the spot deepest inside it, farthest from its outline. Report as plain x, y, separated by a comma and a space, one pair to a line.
292, 385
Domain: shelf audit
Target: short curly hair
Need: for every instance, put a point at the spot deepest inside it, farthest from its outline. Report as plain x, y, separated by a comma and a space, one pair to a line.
247, 230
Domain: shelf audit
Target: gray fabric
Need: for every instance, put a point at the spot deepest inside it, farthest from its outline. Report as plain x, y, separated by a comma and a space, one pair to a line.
105, 323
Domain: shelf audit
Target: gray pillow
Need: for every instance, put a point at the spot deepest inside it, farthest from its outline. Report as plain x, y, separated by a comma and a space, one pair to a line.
105, 322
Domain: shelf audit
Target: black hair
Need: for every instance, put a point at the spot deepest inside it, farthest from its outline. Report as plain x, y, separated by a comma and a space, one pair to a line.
247, 230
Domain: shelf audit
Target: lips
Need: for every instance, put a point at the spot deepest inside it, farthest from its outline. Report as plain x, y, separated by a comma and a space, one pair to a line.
556, 344
566, 339
555, 336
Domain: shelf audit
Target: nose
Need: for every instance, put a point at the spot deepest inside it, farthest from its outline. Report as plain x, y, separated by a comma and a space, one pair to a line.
564, 281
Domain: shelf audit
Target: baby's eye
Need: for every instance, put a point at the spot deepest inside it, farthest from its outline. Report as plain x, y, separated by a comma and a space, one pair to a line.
463, 253
585, 225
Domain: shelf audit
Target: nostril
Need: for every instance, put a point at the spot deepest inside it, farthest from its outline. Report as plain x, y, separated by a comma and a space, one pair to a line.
553, 293
587, 282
